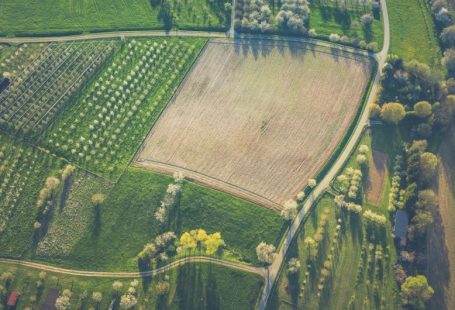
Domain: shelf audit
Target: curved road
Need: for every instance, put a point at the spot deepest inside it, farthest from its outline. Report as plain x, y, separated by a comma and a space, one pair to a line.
272, 273
274, 269
101, 274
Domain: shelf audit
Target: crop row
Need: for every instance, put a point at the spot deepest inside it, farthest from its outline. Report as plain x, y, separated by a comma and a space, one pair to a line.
16, 164
106, 126
18, 58
31, 101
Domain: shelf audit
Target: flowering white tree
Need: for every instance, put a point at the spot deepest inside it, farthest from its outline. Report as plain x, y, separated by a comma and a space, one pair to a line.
293, 265
127, 301
300, 196
170, 197
289, 210
312, 183
117, 286
62, 303
266, 253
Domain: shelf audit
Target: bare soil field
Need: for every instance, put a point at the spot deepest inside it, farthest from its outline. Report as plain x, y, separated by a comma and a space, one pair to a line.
257, 120
376, 175
441, 244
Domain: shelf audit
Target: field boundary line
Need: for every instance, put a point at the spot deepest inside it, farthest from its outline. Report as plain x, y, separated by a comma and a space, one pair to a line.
209, 181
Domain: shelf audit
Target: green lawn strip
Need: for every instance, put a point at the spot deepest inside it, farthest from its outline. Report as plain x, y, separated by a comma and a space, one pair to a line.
412, 31
53, 17
17, 236
326, 21
194, 285
126, 223
344, 280
129, 139
209, 286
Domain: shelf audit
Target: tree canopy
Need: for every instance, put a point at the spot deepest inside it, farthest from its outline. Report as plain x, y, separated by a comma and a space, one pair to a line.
393, 112
423, 109
416, 291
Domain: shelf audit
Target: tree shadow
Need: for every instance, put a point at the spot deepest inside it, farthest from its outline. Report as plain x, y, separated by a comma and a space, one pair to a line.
96, 225
66, 189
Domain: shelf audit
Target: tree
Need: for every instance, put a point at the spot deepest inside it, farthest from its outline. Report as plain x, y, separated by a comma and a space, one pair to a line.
187, 241
312, 247
393, 112
293, 265
68, 172
416, 291
97, 297
448, 36
333, 37
98, 199
212, 243
52, 183
427, 200
289, 210
422, 221
366, 20
117, 286
162, 287
428, 165
266, 253
423, 109
375, 110
449, 61
361, 159
312, 183
127, 301
63, 303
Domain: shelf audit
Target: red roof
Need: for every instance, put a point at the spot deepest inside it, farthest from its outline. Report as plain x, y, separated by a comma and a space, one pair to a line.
12, 300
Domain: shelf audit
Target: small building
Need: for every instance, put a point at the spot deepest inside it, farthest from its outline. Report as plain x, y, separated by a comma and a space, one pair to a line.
13, 299
51, 298
400, 229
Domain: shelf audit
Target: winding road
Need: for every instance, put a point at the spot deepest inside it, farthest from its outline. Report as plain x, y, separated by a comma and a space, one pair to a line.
274, 269
270, 275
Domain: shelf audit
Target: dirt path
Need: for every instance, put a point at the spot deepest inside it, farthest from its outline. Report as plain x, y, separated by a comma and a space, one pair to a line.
101, 274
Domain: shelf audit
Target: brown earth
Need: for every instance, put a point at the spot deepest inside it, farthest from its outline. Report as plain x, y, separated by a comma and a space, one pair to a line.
441, 241
376, 176
258, 119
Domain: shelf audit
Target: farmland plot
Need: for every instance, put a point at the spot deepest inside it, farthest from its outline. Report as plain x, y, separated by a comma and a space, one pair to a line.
257, 121
22, 173
104, 128
35, 96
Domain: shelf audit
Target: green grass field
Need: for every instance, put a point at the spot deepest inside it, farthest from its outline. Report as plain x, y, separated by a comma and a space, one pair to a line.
112, 238
193, 286
412, 31
347, 282
327, 20
60, 16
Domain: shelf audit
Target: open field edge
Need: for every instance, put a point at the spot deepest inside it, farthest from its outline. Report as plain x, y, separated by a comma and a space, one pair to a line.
228, 188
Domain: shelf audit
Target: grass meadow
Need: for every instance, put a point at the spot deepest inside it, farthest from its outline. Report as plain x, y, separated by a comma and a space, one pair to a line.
111, 238
70, 16
412, 31
193, 286
354, 280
